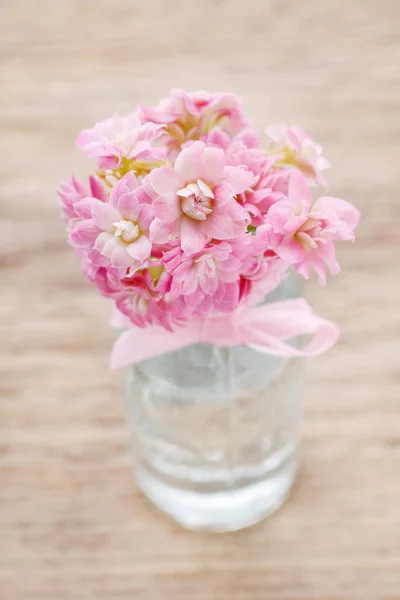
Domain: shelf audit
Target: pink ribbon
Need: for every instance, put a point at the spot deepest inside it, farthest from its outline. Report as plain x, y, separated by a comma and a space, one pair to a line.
264, 328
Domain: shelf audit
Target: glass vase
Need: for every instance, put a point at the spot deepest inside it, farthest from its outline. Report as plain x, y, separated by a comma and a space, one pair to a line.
215, 431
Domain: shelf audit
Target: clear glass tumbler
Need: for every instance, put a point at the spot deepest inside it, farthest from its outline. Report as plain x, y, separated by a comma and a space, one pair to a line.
215, 431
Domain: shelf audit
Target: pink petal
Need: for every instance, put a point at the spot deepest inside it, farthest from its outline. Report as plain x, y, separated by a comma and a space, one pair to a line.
212, 165
128, 206
193, 237
209, 285
140, 249
161, 232
303, 269
104, 215
142, 196
223, 193
299, 192
97, 190
188, 163
219, 226
237, 213
249, 137
282, 219
84, 234
232, 264
318, 264
156, 115
290, 250
228, 276
181, 271
172, 259
125, 186
239, 179
226, 298
218, 138
179, 308
131, 180
295, 137
275, 132
80, 187
327, 252
165, 180
190, 282
83, 208
106, 243
145, 217
97, 259
167, 208
342, 214
121, 258
204, 304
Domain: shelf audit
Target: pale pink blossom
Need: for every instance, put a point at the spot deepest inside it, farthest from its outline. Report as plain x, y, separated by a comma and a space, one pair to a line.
118, 138
193, 115
244, 151
268, 184
73, 191
195, 202
118, 230
272, 186
202, 271
210, 280
247, 138
302, 235
198, 304
262, 269
293, 147
200, 218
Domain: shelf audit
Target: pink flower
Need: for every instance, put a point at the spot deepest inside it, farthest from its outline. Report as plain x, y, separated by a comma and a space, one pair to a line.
303, 235
197, 218
195, 201
204, 281
118, 138
268, 185
73, 191
192, 115
118, 230
106, 279
202, 271
244, 151
272, 186
292, 147
262, 269
143, 300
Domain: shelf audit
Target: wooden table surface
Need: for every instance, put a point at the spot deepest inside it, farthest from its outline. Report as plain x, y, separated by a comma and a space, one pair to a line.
72, 524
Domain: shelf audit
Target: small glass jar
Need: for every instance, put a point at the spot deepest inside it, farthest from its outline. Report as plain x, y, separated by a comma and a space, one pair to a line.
215, 431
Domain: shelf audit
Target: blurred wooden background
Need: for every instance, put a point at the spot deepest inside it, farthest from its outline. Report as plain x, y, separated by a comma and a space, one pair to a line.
72, 524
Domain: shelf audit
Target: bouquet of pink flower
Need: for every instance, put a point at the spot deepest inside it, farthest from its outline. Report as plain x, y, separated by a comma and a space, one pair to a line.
189, 216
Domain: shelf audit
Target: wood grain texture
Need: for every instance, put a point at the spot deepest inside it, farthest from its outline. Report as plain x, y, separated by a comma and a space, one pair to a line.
72, 524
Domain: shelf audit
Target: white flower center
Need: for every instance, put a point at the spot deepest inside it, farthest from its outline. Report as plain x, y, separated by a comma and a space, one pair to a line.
126, 230
196, 200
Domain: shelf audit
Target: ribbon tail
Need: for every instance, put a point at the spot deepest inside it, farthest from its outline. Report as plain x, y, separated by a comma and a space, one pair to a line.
135, 344
325, 335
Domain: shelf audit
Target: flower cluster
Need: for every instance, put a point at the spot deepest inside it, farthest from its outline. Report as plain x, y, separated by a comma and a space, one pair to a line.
188, 214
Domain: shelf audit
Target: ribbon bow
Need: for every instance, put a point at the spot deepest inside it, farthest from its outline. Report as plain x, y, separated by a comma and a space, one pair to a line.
264, 328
